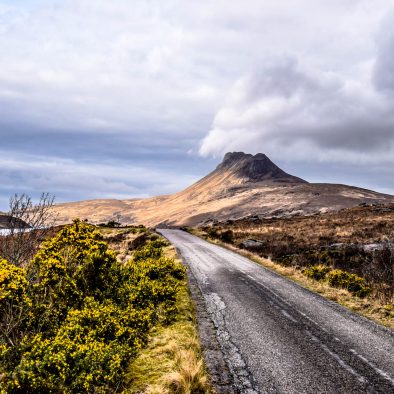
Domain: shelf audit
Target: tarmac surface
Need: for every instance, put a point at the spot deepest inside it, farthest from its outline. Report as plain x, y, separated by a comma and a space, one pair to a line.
274, 336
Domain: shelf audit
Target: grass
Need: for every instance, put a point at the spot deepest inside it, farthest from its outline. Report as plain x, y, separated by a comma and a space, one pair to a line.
172, 362
367, 307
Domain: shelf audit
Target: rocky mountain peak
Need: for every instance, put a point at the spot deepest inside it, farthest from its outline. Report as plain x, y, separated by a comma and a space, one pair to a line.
254, 168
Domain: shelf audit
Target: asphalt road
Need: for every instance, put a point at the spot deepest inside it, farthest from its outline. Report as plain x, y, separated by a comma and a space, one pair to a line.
277, 337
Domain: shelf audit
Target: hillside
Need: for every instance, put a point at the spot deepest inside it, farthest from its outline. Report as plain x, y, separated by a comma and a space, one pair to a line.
241, 185
7, 222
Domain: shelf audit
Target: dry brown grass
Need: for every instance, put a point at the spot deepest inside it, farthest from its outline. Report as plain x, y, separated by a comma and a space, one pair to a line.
354, 225
189, 376
304, 241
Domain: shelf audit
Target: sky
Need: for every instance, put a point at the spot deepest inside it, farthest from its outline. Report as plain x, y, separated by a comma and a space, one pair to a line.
134, 98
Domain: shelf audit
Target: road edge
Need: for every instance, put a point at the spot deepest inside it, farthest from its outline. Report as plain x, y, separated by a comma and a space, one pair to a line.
219, 373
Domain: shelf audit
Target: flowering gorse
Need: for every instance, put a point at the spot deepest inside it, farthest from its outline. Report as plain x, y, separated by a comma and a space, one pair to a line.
75, 317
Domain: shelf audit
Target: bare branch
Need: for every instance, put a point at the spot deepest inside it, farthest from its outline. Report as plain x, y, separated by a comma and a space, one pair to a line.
28, 223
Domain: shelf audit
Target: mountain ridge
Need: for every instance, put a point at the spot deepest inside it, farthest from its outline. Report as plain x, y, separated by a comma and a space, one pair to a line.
241, 185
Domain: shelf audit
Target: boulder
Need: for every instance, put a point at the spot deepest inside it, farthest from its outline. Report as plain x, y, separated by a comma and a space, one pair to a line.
251, 244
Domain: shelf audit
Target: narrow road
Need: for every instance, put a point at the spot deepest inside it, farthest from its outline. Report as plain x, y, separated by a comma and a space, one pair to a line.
277, 337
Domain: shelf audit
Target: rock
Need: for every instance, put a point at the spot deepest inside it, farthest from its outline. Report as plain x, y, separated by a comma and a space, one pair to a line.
255, 168
366, 248
377, 246
341, 246
251, 244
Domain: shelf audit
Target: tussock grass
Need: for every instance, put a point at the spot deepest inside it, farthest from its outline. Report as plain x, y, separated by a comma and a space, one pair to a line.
172, 362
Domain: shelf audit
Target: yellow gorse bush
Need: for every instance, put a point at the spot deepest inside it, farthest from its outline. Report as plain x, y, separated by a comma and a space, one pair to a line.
81, 314
13, 283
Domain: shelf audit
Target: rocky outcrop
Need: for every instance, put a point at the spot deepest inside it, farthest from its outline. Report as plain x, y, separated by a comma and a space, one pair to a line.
257, 168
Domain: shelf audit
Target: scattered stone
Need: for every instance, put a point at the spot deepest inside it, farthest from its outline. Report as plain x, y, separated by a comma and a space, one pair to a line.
377, 246
251, 244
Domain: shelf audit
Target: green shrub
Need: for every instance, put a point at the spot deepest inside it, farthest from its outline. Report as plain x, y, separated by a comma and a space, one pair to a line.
151, 250
351, 282
74, 264
15, 312
89, 353
212, 232
112, 224
157, 284
317, 272
78, 315
338, 278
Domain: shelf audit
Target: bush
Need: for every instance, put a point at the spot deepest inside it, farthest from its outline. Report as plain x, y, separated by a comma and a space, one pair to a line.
338, 278
152, 250
15, 306
112, 224
227, 236
78, 315
74, 264
317, 272
87, 353
351, 282
212, 232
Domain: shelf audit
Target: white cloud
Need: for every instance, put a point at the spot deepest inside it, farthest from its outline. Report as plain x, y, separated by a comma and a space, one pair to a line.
288, 108
162, 66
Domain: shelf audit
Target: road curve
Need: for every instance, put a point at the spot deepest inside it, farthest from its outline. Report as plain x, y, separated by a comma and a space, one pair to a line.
277, 337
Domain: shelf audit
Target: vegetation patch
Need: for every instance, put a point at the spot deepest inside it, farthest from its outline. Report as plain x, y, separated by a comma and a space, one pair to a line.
338, 278
75, 316
357, 244
172, 362
316, 272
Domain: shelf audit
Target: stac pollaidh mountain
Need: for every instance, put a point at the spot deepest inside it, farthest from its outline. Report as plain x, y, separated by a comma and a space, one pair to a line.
240, 186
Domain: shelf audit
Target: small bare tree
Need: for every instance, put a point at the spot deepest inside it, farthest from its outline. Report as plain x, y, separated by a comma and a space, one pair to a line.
27, 224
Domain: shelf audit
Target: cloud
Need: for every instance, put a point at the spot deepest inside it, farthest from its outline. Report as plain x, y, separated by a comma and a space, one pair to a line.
288, 108
83, 180
383, 73
136, 85
157, 67
104, 66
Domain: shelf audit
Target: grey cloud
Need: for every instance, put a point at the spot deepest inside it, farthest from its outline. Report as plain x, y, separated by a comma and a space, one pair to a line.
76, 180
383, 75
94, 88
282, 78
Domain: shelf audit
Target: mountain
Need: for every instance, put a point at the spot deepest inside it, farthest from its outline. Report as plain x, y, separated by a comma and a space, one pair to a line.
241, 185
247, 168
7, 222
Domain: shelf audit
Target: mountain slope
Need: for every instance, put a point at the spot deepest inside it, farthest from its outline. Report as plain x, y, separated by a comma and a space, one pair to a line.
241, 185
7, 222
